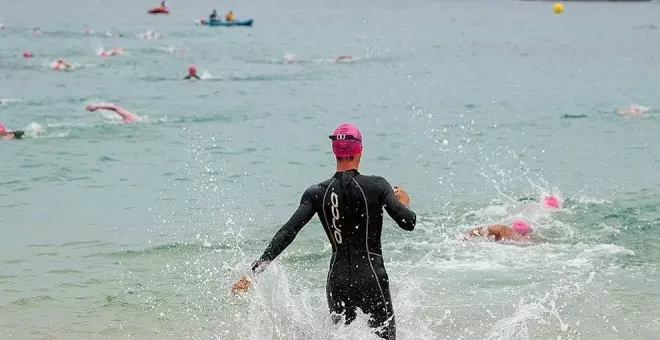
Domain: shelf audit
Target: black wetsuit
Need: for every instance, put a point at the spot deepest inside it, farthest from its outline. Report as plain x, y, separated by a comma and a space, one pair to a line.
350, 207
18, 134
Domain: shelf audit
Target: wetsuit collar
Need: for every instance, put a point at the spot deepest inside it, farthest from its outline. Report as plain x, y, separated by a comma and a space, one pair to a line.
339, 174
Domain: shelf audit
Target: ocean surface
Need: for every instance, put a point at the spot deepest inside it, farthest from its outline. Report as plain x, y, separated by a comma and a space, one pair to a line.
478, 108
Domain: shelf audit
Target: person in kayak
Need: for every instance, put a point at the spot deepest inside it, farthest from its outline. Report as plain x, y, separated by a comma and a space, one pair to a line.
8, 135
518, 231
214, 15
350, 208
126, 116
230, 16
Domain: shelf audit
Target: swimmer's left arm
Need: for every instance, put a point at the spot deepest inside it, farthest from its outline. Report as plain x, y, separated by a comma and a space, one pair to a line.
404, 217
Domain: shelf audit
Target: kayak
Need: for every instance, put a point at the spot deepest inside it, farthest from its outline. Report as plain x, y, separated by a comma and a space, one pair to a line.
243, 22
158, 10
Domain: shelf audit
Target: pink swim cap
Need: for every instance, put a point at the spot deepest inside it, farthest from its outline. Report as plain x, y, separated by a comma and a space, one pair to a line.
192, 69
2, 128
346, 141
551, 202
521, 227
27, 54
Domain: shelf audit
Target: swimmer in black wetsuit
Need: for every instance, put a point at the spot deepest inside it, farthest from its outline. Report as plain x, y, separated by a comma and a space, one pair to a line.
350, 207
7, 135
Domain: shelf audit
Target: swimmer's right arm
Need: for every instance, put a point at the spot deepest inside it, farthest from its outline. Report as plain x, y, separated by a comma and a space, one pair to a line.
281, 240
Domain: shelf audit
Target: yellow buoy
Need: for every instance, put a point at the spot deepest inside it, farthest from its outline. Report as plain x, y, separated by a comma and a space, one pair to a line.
558, 7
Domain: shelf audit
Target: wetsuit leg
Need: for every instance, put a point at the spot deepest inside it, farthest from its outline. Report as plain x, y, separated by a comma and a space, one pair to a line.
376, 300
338, 290
366, 289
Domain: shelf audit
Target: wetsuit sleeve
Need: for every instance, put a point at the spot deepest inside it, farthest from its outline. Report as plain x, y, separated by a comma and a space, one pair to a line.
403, 216
289, 230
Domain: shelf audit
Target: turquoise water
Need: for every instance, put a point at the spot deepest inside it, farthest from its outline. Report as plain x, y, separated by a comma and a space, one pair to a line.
477, 108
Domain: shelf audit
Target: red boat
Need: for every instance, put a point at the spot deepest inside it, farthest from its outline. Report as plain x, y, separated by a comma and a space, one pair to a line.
159, 10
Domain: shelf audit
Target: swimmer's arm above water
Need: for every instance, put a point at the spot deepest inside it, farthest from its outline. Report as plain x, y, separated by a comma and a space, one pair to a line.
124, 114
281, 240
478, 231
192, 76
392, 201
498, 231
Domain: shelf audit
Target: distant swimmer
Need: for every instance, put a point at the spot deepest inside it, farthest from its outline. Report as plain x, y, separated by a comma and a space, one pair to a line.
115, 51
341, 58
173, 49
125, 115
8, 135
36, 31
113, 35
214, 15
350, 208
518, 231
151, 35
634, 111
289, 58
2, 26
551, 202
192, 73
27, 54
61, 64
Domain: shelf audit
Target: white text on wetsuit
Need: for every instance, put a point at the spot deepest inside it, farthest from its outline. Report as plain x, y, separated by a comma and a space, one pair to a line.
334, 200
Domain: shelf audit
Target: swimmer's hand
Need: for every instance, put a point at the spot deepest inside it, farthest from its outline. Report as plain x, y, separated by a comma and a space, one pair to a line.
401, 195
241, 286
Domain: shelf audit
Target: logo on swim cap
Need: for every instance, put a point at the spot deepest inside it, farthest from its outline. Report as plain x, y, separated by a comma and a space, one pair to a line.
346, 141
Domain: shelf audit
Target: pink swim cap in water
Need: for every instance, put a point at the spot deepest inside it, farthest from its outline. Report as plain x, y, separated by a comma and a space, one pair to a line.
27, 54
192, 69
346, 141
2, 128
551, 202
521, 227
